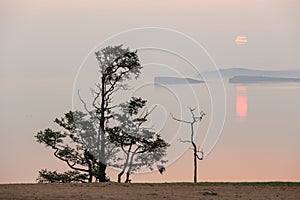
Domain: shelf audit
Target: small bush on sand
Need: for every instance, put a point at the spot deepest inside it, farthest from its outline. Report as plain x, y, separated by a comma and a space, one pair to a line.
46, 176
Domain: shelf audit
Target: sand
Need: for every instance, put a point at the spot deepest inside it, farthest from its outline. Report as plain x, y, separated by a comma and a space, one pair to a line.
150, 191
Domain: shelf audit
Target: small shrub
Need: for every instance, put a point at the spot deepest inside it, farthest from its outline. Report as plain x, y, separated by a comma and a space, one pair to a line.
46, 176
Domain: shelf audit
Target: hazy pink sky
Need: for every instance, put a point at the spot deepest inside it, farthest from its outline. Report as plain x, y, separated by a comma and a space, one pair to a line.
44, 42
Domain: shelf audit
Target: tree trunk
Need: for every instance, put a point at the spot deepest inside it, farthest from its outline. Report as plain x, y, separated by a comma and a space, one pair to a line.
102, 160
195, 166
195, 153
120, 176
90, 176
129, 168
127, 177
102, 173
87, 157
125, 164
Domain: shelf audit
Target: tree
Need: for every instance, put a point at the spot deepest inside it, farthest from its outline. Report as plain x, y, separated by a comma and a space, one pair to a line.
194, 120
75, 145
116, 65
91, 151
140, 144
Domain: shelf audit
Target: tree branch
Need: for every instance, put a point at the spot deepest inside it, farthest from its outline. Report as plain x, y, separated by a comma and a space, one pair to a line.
179, 120
67, 161
184, 141
83, 102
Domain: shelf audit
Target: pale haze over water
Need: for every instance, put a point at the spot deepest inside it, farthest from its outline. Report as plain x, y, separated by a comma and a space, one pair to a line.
260, 138
43, 44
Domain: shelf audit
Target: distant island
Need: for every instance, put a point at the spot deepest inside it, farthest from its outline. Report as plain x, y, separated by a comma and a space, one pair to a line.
167, 80
231, 72
261, 79
236, 75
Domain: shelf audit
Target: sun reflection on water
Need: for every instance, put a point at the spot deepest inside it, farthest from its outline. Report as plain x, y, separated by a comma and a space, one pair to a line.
241, 105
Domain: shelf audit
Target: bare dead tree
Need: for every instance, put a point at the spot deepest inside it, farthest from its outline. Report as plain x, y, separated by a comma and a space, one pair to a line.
195, 119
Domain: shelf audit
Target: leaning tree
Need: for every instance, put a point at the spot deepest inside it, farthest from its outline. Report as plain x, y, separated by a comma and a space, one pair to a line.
141, 145
196, 150
89, 150
76, 146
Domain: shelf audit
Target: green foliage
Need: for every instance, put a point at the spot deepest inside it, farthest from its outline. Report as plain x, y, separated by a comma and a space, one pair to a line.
131, 131
50, 138
46, 176
141, 145
133, 106
118, 64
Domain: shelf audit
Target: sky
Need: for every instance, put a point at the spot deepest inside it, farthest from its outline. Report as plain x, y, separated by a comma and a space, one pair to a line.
43, 43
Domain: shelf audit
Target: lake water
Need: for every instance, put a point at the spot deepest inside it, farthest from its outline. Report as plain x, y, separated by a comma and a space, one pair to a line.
260, 139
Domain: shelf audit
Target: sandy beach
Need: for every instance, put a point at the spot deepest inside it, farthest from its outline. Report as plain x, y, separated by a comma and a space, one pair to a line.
151, 191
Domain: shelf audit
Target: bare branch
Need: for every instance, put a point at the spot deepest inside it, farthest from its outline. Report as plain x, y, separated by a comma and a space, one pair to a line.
184, 141
96, 96
149, 112
179, 120
192, 109
199, 118
202, 155
84, 103
192, 113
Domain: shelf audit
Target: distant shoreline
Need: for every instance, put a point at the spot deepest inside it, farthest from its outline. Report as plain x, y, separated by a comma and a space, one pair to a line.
169, 80
262, 79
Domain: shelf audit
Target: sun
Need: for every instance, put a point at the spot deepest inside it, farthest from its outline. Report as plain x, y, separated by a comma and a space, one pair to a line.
240, 40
